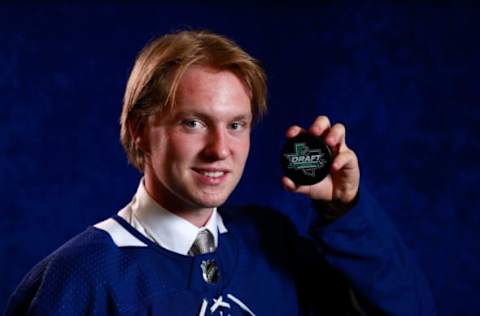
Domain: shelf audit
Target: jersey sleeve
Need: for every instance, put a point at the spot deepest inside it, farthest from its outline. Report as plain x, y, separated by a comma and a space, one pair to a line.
364, 246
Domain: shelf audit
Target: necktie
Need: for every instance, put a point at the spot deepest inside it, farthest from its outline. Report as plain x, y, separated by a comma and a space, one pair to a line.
203, 243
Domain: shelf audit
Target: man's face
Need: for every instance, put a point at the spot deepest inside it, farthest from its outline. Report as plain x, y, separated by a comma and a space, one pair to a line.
196, 154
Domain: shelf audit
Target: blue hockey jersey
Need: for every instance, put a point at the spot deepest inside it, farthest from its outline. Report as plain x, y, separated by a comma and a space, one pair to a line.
356, 265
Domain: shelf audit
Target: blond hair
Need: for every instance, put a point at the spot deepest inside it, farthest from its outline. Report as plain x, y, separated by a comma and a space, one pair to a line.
159, 67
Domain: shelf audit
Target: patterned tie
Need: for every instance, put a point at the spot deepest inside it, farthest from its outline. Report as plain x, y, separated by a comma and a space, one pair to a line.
203, 243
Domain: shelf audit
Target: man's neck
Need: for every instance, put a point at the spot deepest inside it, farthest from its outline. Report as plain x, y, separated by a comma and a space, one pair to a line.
195, 215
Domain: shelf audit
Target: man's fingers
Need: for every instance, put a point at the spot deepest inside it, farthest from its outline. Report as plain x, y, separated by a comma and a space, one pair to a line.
289, 185
319, 126
335, 136
345, 159
294, 130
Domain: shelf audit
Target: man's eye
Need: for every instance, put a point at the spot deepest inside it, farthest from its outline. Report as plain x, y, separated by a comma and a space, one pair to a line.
194, 124
237, 125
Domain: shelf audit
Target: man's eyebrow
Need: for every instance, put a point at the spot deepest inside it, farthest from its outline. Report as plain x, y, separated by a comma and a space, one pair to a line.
185, 113
191, 113
246, 116
243, 117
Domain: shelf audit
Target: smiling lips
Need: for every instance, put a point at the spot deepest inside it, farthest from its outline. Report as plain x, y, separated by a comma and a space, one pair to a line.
211, 176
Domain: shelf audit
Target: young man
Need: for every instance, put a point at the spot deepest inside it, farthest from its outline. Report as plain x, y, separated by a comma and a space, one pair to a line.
189, 105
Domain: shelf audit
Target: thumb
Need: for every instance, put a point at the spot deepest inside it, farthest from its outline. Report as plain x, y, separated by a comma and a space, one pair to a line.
290, 186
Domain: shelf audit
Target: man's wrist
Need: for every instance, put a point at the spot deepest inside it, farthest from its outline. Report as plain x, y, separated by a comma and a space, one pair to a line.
332, 210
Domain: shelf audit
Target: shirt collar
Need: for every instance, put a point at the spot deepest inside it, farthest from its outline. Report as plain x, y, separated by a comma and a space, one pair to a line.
167, 229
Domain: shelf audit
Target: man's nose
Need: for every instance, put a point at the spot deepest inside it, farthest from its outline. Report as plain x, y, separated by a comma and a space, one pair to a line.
217, 145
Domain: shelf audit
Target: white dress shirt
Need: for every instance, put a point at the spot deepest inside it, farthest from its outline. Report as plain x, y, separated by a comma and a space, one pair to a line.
165, 228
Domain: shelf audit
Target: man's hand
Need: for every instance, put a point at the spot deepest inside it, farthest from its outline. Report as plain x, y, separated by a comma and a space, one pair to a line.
340, 187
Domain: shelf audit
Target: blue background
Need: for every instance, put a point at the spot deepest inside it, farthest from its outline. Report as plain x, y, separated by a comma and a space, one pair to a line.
403, 77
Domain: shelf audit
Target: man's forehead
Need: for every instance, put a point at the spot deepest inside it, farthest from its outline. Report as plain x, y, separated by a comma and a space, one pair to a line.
200, 77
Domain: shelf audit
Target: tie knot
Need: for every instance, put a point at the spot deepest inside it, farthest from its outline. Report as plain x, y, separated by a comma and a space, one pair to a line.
204, 243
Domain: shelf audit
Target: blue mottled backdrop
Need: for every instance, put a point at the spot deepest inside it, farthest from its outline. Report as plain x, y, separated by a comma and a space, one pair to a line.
403, 77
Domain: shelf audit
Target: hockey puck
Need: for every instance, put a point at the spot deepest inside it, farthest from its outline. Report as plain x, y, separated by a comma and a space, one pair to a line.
306, 159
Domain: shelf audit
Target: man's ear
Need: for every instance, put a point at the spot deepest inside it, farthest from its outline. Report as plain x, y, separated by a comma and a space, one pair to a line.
138, 135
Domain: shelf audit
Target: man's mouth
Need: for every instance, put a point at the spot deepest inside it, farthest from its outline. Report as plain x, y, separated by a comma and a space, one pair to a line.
211, 176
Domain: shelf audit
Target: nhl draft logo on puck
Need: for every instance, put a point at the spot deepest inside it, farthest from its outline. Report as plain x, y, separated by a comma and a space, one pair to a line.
306, 159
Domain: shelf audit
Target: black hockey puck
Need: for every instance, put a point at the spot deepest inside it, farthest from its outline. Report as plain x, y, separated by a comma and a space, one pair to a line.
306, 159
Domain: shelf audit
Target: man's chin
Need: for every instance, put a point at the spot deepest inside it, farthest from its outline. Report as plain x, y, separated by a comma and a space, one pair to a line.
211, 201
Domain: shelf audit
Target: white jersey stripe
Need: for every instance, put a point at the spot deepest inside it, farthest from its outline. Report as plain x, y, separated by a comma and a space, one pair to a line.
120, 236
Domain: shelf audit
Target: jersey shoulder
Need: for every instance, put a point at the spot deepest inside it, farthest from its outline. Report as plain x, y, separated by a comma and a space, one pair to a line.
74, 272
